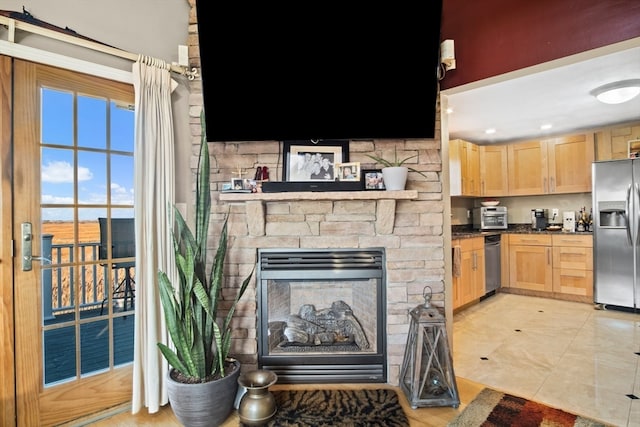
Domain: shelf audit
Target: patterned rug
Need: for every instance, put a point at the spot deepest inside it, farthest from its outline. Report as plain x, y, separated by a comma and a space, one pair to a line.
492, 408
352, 408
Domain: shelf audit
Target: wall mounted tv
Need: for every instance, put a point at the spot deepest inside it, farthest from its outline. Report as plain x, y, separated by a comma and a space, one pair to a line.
299, 72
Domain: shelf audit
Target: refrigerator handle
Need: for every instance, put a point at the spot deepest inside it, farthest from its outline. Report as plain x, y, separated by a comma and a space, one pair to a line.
637, 215
627, 210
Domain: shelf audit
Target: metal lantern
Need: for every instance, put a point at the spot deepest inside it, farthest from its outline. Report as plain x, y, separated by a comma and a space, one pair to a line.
427, 376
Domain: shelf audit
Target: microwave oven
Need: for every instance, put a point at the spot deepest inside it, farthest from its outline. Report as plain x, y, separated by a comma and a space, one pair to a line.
490, 218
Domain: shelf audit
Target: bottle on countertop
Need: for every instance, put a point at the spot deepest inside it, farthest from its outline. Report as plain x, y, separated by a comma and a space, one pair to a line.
581, 222
590, 227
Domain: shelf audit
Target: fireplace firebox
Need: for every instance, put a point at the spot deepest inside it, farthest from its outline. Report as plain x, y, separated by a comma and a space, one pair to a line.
322, 315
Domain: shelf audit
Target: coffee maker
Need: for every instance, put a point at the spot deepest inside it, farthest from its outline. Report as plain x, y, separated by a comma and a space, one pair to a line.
538, 219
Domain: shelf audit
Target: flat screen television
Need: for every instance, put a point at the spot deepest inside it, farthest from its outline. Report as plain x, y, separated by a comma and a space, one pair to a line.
297, 71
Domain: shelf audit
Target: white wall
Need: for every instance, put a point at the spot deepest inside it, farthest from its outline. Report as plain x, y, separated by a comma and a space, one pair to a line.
150, 27
519, 207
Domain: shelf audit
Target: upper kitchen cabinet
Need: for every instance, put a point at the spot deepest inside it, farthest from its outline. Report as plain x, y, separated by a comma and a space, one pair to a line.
528, 169
557, 165
570, 159
611, 143
494, 178
464, 167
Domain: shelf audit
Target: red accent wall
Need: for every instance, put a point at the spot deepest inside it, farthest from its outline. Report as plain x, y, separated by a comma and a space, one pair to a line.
494, 37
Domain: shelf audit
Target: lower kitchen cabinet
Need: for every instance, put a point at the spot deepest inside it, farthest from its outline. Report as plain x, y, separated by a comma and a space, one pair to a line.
468, 270
561, 264
530, 262
573, 264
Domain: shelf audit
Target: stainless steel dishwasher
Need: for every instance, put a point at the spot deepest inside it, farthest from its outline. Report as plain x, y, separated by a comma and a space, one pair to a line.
492, 263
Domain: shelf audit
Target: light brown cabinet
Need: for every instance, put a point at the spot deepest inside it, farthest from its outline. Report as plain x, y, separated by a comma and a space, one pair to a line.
573, 264
468, 270
570, 159
494, 178
559, 263
464, 168
556, 165
611, 142
531, 262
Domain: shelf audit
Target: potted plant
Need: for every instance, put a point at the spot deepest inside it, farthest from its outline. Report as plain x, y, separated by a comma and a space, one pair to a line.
394, 173
202, 382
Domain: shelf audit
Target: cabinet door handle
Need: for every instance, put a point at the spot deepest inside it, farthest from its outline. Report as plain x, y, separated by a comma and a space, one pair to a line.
475, 261
544, 185
552, 185
548, 256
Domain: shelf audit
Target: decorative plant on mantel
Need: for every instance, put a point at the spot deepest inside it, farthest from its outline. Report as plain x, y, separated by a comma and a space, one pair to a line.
191, 310
394, 172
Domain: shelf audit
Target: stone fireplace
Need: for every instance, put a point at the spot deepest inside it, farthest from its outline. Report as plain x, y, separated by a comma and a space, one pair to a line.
321, 315
405, 223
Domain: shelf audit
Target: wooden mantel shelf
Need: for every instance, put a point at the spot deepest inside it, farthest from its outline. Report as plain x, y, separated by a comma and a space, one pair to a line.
320, 195
256, 212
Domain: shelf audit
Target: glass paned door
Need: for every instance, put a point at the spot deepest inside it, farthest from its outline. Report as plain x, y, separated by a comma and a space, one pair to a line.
83, 180
74, 150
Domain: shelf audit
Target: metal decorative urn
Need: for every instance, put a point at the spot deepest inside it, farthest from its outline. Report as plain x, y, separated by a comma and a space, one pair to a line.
427, 376
257, 406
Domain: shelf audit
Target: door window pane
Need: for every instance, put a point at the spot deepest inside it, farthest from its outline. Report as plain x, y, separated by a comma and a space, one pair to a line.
92, 122
57, 117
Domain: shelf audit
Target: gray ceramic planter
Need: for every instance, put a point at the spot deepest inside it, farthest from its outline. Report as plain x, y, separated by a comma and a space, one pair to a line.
205, 404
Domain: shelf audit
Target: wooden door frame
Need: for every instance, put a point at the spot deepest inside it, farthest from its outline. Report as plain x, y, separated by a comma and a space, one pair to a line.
7, 349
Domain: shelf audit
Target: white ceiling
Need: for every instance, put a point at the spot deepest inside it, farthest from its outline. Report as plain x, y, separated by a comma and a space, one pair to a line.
558, 92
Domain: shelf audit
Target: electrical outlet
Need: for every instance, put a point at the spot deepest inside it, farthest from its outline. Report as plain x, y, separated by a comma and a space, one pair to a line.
468, 213
555, 213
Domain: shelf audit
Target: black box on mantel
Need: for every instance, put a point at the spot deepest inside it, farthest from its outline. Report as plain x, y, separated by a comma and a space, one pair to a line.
289, 186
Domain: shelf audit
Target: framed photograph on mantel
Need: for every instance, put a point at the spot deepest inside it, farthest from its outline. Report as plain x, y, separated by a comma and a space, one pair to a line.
309, 161
373, 179
349, 171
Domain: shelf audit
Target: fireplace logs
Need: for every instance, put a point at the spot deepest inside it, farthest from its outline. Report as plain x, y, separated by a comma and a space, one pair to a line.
336, 325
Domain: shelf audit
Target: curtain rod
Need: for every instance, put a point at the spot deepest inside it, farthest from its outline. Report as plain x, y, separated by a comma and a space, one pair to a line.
13, 25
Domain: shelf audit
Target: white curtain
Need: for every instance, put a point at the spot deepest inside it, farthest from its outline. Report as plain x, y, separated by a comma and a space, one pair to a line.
154, 199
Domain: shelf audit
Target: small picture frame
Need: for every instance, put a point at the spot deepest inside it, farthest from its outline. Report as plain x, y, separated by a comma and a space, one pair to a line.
242, 185
237, 184
373, 179
348, 171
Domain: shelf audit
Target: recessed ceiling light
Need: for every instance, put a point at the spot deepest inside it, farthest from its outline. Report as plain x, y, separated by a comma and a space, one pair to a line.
449, 110
617, 92
546, 126
490, 131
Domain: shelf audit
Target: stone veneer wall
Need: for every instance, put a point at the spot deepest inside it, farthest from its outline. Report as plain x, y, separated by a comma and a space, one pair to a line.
414, 241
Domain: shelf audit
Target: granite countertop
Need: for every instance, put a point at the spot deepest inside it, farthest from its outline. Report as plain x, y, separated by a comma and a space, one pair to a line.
466, 231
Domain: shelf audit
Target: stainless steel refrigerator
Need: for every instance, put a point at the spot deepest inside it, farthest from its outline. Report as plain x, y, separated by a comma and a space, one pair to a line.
616, 235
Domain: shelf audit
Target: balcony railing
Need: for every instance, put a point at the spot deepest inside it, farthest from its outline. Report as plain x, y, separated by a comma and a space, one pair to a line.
59, 285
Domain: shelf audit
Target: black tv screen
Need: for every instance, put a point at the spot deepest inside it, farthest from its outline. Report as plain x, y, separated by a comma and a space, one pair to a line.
302, 72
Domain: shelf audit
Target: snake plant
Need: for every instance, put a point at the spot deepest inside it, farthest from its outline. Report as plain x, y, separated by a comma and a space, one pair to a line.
202, 340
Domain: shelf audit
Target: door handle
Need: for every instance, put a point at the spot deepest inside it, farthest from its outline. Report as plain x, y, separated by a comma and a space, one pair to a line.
27, 243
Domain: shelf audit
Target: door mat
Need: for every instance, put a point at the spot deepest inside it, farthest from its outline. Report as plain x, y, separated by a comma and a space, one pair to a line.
494, 408
353, 408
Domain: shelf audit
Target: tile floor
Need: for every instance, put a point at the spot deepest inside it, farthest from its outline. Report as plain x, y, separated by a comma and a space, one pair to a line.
565, 354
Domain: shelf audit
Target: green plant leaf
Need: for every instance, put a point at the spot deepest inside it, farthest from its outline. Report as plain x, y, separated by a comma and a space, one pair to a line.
191, 309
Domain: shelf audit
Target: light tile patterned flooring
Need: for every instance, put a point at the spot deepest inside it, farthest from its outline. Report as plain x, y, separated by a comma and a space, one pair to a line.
565, 354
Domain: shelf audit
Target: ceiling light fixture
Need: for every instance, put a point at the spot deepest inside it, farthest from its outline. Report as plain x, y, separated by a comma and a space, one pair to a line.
490, 131
617, 92
546, 126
